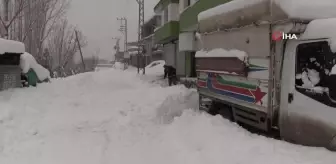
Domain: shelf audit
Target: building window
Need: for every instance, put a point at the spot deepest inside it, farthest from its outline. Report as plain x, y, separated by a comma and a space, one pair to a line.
188, 3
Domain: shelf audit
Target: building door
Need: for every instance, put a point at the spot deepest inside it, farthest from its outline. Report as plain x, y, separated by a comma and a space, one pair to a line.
193, 64
169, 54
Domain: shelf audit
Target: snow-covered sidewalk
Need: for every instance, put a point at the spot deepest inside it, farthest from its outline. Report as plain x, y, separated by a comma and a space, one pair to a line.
114, 117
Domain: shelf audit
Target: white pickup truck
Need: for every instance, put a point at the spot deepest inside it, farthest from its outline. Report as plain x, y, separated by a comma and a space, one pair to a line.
269, 64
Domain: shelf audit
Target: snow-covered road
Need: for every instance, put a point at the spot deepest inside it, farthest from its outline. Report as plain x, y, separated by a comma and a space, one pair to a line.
115, 117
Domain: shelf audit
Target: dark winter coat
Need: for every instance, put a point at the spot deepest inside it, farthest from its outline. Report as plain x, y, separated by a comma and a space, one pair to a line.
169, 71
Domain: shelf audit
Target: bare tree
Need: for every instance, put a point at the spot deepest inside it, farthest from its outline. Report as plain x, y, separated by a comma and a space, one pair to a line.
55, 10
40, 24
10, 16
31, 21
62, 43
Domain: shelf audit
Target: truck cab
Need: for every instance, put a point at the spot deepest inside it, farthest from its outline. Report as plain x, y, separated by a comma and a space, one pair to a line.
308, 106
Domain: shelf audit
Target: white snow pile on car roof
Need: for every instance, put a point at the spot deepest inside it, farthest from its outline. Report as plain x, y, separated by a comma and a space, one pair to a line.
27, 62
11, 46
299, 9
322, 28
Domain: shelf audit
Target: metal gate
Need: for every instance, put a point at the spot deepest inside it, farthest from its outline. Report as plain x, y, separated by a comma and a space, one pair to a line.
10, 77
10, 71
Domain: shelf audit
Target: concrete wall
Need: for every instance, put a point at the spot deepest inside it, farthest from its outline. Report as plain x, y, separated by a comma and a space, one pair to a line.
173, 12
157, 57
187, 41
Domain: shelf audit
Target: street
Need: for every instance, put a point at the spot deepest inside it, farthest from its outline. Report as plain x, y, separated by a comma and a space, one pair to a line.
117, 117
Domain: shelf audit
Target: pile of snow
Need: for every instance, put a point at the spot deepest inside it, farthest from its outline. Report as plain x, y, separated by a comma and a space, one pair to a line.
322, 28
11, 46
176, 104
299, 9
94, 118
119, 65
219, 52
201, 139
27, 62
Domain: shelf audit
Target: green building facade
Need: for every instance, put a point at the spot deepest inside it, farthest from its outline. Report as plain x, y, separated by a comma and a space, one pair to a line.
178, 25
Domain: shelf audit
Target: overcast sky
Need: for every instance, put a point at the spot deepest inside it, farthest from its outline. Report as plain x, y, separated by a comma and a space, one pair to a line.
98, 21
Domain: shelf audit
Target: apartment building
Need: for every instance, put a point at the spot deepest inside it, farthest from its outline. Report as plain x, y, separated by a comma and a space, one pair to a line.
177, 32
167, 33
152, 50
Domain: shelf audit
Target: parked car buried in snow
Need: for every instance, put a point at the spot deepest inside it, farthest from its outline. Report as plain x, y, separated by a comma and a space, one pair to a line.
272, 83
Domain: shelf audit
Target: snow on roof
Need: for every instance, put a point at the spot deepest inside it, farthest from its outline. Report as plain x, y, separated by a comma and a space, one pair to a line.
249, 11
11, 46
219, 52
321, 28
27, 62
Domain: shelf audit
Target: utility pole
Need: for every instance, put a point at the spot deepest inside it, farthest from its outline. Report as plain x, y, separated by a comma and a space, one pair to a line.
80, 49
141, 22
123, 29
116, 46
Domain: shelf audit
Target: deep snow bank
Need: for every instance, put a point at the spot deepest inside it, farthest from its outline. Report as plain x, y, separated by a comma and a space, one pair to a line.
174, 105
119, 65
110, 117
206, 139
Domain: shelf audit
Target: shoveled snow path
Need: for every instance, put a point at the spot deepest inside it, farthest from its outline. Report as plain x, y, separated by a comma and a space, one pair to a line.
113, 117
